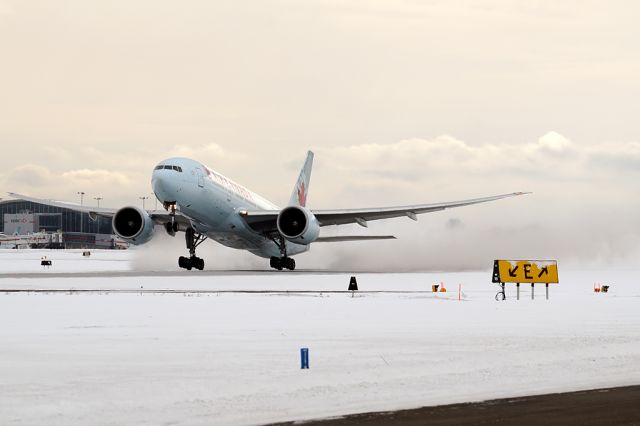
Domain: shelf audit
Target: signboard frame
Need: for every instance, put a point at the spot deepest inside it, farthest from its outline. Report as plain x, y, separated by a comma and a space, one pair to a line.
525, 271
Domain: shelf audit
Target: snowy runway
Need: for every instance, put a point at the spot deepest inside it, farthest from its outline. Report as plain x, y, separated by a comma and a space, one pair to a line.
233, 358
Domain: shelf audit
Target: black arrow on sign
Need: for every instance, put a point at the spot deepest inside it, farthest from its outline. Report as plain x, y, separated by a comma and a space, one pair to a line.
544, 271
512, 272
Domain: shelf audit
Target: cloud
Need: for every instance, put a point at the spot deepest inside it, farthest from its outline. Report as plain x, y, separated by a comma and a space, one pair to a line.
455, 223
578, 213
95, 177
555, 142
553, 156
40, 181
211, 150
620, 157
30, 175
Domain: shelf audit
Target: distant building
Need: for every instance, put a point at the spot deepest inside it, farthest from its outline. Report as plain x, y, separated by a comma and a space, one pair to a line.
78, 230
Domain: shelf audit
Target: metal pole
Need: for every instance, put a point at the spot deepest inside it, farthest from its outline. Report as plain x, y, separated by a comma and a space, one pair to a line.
518, 291
547, 290
98, 200
532, 291
143, 198
81, 194
155, 198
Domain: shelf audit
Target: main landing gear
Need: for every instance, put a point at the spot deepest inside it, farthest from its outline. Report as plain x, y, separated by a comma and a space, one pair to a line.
282, 262
193, 240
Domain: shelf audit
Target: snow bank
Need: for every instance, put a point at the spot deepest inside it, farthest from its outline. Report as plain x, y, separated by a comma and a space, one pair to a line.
230, 358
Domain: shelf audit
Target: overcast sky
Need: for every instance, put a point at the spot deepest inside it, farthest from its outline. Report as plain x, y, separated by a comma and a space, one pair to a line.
402, 101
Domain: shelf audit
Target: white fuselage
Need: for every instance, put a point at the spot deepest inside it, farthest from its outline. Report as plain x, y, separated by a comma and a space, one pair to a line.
212, 203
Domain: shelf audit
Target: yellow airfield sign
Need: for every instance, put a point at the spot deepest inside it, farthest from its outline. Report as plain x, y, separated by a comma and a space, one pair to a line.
525, 271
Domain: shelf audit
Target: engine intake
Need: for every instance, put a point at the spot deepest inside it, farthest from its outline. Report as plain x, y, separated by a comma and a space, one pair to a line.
298, 225
133, 224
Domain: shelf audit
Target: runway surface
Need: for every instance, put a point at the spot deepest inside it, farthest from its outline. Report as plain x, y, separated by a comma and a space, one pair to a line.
92, 341
44, 274
203, 292
619, 406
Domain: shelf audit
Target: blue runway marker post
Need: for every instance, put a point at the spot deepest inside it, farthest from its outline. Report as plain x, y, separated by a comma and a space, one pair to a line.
304, 358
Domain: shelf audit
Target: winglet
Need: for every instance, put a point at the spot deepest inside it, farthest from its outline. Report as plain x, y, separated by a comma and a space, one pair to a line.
300, 191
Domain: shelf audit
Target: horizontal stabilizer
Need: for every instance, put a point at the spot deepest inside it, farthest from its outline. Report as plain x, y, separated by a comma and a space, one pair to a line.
354, 238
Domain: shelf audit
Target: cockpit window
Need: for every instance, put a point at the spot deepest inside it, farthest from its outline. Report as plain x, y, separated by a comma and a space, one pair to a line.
166, 167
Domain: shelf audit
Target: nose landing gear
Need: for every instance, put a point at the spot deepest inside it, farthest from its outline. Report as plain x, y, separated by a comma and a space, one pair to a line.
171, 227
193, 240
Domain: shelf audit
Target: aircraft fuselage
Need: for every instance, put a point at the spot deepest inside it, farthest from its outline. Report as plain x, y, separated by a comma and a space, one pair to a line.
212, 202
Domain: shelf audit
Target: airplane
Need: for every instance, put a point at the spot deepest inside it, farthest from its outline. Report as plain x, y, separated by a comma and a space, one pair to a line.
203, 204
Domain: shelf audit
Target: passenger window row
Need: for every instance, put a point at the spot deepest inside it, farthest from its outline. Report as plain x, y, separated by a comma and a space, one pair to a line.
176, 168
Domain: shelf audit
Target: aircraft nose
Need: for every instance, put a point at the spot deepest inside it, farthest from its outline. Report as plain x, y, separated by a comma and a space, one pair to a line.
164, 187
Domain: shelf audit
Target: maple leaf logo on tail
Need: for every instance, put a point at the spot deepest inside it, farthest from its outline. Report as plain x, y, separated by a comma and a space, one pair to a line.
301, 187
302, 195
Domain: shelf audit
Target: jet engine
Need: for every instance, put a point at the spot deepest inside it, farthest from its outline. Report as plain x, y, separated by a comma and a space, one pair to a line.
133, 225
298, 225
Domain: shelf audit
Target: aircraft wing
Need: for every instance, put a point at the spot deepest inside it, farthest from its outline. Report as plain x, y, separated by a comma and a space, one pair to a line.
362, 216
265, 220
158, 216
341, 238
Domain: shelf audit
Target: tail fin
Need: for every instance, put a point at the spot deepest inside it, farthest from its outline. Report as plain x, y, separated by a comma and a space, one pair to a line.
300, 191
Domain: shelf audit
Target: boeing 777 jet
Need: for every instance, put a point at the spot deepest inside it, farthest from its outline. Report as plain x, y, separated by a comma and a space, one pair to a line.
203, 204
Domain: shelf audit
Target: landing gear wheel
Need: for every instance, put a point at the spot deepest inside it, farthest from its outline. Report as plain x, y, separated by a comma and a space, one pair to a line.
193, 240
290, 264
199, 263
281, 263
171, 228
274, 262
185, 263
189, 263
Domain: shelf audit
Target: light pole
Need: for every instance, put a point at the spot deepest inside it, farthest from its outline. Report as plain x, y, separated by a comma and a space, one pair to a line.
154, 197
81, 194
98, 200
143, 198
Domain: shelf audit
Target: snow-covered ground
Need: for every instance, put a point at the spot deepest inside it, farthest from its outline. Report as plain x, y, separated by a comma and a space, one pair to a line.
233, 358
28, 261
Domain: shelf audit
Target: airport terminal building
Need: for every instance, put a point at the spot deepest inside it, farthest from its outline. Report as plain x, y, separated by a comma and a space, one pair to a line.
77, 230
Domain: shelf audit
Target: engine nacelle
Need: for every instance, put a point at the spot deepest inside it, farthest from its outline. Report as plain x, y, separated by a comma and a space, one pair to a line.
133, 225
298, 225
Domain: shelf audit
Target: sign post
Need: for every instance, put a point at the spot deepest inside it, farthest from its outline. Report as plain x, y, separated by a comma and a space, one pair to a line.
532, 291
547, 290
525, 271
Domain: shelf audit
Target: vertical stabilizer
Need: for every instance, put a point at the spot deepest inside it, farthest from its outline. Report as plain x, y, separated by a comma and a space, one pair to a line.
300, 191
